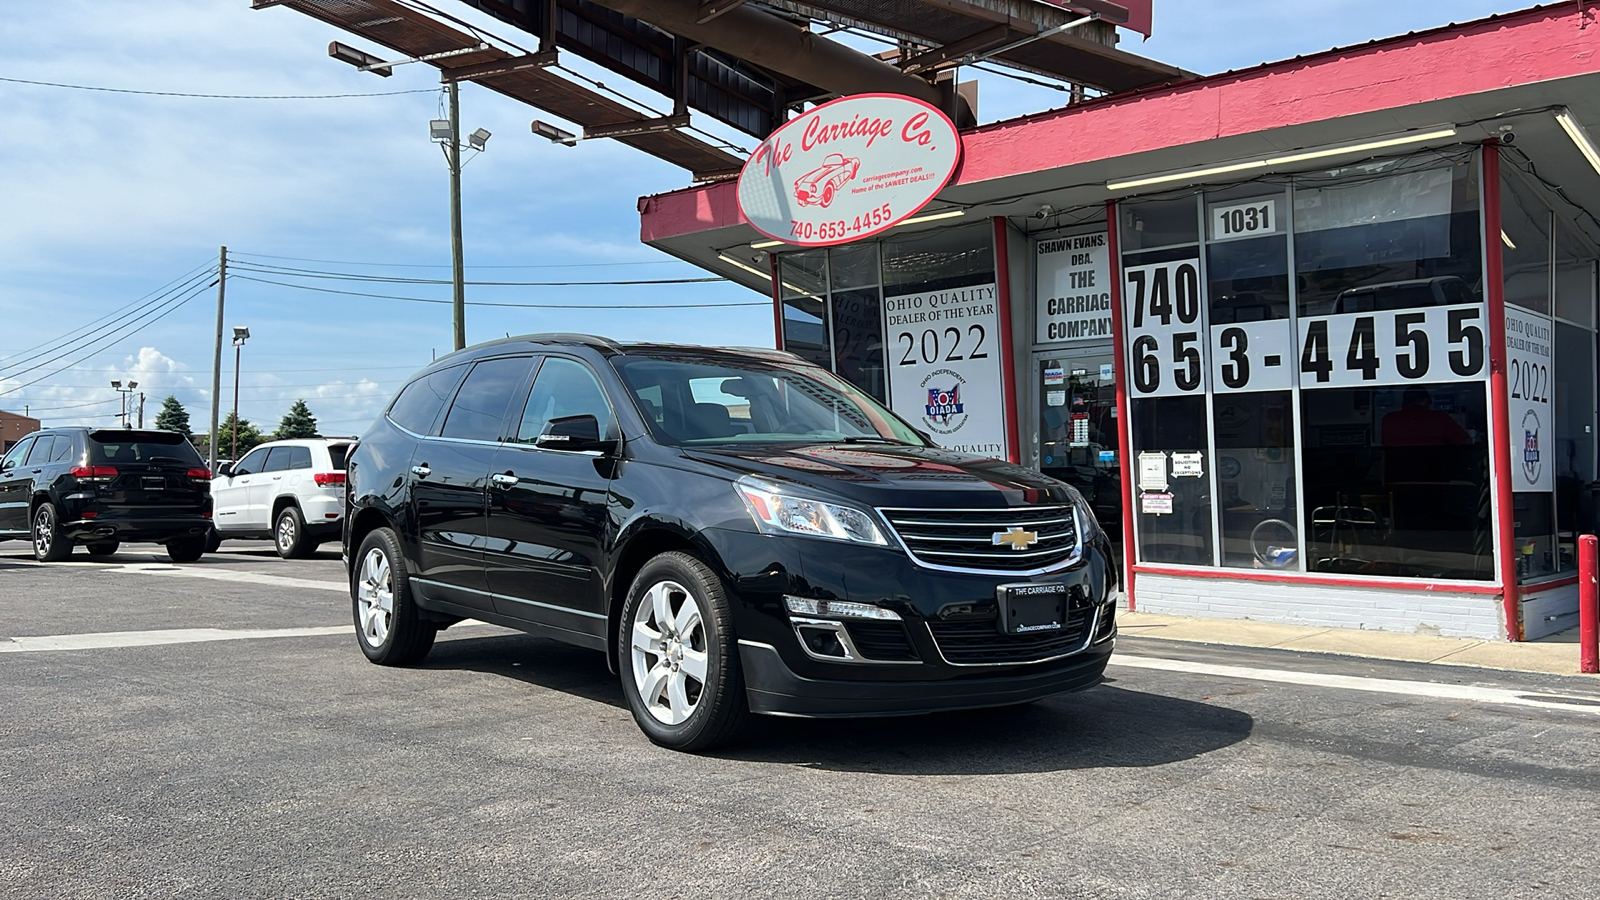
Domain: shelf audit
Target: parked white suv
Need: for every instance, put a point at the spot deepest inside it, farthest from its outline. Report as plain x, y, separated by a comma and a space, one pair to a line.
291, 492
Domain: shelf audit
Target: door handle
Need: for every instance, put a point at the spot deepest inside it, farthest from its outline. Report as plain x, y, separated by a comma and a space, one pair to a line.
421, 471
504, 480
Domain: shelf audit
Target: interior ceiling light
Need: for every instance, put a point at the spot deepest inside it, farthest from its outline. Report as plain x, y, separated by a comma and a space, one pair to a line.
1580, 137
948, 214
1192, 175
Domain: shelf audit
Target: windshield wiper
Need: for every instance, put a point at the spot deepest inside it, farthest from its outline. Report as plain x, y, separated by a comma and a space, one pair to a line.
869, 440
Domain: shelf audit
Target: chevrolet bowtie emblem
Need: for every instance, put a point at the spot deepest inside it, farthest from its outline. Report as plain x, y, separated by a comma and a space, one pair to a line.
1016, 537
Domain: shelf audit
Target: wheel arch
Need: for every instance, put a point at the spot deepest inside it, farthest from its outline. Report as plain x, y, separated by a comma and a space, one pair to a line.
642, 543
283, 502
365, 521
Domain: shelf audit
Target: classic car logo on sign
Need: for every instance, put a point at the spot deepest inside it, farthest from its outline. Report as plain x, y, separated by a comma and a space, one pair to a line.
1016, 538
818, 186
848, 169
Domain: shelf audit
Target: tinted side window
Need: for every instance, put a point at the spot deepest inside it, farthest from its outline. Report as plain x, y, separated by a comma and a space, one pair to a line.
15, 457
277, 459
251, 463
42, 448
299, 457
479, 409
419, 403
563, 388
64, 447
336, 453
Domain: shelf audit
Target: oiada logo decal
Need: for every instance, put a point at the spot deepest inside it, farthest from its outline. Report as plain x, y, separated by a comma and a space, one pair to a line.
945, 412
848, 169
1531, 465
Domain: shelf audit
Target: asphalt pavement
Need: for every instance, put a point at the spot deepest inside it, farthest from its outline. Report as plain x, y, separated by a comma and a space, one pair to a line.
212, 730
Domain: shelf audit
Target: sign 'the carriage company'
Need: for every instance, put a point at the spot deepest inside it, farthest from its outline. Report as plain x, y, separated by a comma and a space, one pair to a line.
848, 169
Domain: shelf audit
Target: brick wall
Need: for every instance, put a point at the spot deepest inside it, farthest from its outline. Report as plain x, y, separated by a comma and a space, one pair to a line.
14, 428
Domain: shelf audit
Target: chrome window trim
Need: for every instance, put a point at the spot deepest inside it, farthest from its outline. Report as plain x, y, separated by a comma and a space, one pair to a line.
853, 654
1088, 641
1070, 562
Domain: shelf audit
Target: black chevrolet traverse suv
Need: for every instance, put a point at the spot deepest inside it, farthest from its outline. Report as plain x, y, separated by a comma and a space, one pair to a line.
67, 486
738, 531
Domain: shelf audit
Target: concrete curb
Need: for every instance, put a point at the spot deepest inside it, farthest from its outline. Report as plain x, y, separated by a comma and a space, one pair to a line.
1557, 655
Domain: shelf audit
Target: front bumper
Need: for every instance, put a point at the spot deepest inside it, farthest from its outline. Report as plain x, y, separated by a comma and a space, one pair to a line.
946, 652
775, 689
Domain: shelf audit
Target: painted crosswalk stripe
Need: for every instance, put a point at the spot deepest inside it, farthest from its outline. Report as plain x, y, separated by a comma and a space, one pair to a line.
109, 639
1469, 693
219, 574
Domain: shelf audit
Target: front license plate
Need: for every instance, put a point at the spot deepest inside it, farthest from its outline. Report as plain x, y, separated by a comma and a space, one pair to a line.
1031, 608
154, 482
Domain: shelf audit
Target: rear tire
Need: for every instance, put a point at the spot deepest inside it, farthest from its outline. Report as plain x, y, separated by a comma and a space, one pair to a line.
49, 544
106, 548
186, 549
213, 541
389, 627
679, 656
289, 534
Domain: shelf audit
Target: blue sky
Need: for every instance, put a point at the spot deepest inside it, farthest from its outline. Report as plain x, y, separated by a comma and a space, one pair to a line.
107, 197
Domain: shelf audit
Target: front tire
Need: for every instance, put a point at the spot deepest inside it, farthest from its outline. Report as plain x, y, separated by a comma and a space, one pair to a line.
679, 656
49, 544
389, 627
289, 534
186, 549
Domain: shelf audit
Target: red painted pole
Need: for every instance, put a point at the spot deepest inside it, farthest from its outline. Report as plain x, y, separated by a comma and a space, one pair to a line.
1588, 605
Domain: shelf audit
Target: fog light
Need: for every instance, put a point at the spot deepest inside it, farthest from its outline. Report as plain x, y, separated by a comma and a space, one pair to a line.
823, 642
842, 609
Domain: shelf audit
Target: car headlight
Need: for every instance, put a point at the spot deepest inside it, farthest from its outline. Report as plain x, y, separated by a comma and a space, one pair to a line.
777, 511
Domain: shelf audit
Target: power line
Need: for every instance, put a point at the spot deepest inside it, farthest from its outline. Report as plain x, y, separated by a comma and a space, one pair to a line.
85, 331
112, 90
131, 329
348, 262
291, 272
307, 287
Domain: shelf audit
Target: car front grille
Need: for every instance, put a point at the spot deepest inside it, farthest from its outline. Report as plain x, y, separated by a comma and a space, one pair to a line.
978, 642
882, 641
966, 539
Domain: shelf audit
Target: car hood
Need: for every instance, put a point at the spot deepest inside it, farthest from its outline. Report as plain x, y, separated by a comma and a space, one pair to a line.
891, 475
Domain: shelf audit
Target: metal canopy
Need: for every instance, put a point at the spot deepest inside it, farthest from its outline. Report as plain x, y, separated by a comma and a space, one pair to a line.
744, 63
413, 34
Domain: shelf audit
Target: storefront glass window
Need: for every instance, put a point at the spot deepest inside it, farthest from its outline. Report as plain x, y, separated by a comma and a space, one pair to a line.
805, 332
1388, 236
1397, 481
1575, 439
1172, 488
858, 339
1147, 224
937, 260
1524, 243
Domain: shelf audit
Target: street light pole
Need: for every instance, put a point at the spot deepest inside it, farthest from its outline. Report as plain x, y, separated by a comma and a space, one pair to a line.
458, 302
125, 391
239, 337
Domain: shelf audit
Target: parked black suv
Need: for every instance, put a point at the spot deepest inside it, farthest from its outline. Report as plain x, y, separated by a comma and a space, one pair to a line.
738, 531
64, 486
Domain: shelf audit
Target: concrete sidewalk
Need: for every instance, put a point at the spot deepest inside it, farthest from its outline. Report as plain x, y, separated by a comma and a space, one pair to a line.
1554, 655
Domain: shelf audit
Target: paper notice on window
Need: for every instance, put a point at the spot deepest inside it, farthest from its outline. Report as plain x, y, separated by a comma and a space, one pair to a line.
1187, 465
1152, 471
1155, 504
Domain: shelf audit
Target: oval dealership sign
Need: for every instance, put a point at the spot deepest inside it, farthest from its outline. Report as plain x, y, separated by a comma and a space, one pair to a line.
848, 169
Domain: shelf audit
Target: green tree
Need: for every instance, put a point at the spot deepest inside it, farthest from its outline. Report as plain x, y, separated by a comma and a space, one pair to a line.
249, 436
297, 423
173, 417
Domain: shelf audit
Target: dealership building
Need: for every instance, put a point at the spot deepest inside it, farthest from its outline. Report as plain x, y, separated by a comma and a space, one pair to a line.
1316, 340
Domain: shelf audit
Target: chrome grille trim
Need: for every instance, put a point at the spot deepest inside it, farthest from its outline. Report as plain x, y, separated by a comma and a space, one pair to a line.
981, 556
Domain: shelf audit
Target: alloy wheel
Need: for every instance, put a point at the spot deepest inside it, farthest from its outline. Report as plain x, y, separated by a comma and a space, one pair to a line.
44, 532
669, 652
375, 594
286, 533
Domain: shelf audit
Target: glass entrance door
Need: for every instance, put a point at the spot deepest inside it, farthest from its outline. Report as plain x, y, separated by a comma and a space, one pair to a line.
1075, 431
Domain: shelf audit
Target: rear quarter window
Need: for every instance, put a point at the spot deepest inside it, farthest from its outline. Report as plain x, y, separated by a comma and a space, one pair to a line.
417, 407
336, 453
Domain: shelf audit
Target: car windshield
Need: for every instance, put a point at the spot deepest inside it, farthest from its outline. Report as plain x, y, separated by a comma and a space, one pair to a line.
694, 400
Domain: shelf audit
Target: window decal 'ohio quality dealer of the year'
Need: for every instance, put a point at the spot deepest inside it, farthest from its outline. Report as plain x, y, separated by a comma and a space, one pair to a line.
848, 170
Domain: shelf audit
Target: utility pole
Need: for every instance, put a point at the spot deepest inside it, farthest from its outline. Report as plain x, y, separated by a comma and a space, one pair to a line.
141, 409
458, 304
216, 362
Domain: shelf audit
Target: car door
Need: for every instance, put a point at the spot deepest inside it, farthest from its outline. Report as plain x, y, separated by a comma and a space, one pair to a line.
15, 489
230, 493
451, 471
547, 508
264, 487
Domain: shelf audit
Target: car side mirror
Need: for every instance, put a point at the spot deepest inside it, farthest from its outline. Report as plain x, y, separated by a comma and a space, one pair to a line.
574, 434
225, 470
